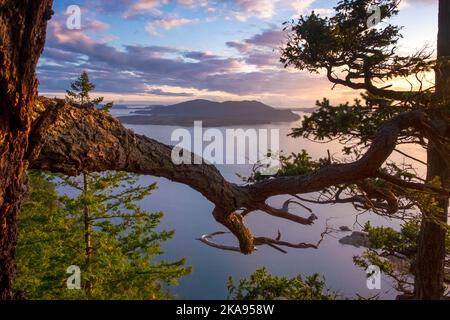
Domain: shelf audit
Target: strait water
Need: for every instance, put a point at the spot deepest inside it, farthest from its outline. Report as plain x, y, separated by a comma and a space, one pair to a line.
189, 214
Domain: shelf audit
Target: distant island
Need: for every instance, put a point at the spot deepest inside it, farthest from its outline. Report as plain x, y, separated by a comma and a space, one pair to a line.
213, 114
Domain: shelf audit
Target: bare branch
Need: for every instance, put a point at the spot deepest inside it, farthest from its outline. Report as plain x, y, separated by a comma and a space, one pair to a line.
410, 157
286, 215
261, 241
208, 240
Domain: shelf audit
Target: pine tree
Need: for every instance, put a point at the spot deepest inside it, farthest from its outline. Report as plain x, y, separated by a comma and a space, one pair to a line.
80, 93
102, 230
355, 55
261, 285
123, 240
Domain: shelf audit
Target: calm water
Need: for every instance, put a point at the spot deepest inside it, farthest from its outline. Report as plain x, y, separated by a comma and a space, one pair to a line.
189, 214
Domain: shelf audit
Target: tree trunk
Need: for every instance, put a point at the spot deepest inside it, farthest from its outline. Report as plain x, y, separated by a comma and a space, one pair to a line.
87, 223
22, 36
429, 266
87, 232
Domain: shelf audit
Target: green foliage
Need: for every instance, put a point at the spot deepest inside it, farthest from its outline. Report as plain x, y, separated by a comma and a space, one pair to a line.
345, 121
371, 258
125, 244
318, 43
351, 54
101, 229
80, 93
393, 242
298, 164
394, 252
263, 286
290, 165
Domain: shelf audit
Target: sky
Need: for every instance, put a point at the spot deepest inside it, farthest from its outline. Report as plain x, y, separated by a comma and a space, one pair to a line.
168, 51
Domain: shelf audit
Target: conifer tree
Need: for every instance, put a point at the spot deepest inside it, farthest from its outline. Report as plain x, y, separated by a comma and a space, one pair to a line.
124, 242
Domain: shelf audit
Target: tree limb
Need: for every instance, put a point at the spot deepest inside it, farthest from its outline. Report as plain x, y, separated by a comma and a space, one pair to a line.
72, 140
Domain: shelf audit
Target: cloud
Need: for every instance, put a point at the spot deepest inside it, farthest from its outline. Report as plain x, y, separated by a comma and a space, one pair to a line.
105, 7
264, 59
57, 55
167, 24
241, 10
165, 73
193, 3
300, 6
144, 6
70, 50
95, 25
153, 7
160, 92
241, 46
200, 55
407, 3
262, 49
324, 11
263, 9
271, 38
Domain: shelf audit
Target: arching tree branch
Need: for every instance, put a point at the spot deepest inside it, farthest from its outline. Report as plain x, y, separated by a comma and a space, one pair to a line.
71, 140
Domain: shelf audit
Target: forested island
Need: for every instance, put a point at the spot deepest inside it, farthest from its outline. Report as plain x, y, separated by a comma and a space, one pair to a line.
213, 114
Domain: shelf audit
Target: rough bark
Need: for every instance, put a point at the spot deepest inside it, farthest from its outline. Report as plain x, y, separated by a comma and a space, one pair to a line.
72, 140
429, 265
22, 36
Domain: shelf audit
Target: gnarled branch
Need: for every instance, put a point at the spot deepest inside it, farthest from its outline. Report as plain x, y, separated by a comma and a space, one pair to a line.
72, 140
276, 243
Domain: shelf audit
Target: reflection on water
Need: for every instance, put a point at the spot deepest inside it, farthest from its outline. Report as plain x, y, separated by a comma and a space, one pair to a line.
189, 214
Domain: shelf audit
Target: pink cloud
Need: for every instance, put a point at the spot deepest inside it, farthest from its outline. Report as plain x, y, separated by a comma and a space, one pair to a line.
167, 24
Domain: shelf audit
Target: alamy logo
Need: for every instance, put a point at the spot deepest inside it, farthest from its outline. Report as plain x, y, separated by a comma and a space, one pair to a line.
73, 22
74, 281
229, 146
373, 278
374, 13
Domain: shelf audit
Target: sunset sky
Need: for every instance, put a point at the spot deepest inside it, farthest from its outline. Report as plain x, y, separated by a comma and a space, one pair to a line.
167, 51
